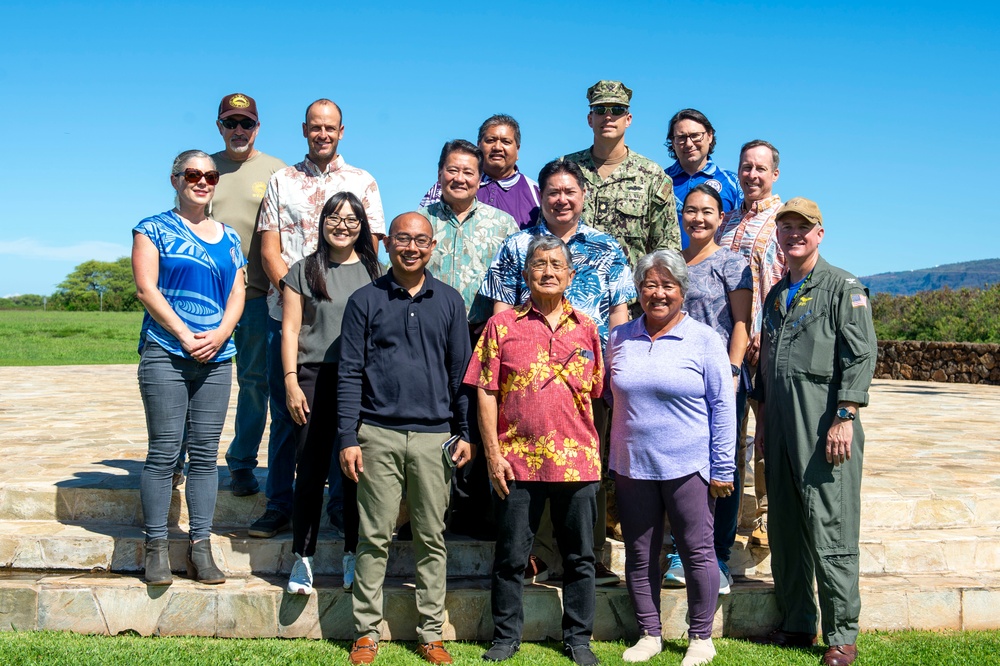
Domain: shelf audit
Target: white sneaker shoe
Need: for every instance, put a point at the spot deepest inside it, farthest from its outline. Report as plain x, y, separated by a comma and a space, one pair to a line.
700, 651
349, 560
647, 648
301, 580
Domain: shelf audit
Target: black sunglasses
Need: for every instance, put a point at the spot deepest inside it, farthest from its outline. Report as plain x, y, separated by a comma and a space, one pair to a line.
602, 110
194, 175
231, 124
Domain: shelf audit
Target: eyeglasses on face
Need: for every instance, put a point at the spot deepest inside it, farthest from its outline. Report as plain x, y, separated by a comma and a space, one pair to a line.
681, 139
333, 221
602, 110
404, 240
231, 123
194, 175
539, 266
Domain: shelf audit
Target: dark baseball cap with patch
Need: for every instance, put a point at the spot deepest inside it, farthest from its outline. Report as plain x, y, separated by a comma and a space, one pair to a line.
238, 104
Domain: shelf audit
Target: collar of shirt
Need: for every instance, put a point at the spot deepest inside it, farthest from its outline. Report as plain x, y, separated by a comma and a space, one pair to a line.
636, 329
450, 214
580, 234
335, 165
504, 184
426, 288
529, 307
760, 205
676, 171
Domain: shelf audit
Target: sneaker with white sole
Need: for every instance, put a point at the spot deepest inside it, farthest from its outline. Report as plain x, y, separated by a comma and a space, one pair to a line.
349, 560
725, 578
647, 648
675, 572
301, 579
700, 651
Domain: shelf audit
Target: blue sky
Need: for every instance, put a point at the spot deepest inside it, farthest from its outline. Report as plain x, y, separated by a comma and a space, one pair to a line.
884, 113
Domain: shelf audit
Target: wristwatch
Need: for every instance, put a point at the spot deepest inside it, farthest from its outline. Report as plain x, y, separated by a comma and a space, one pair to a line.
735, 369
845, 413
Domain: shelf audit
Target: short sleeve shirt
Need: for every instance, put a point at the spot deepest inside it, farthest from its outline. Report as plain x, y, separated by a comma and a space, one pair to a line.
546, 380
319, 334
709, 284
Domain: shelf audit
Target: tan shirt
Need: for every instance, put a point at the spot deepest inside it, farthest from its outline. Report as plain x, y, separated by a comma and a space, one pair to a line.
237, 203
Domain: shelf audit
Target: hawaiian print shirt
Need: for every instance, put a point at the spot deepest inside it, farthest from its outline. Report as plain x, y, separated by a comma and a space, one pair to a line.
465, 248
603, 277
546, 380
751, 231
635, 204
294, 199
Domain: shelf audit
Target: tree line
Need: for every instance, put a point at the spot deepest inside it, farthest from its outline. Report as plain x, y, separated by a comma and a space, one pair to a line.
946, 315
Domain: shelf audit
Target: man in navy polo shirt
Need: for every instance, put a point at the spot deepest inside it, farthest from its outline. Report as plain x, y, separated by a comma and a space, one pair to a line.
691, 142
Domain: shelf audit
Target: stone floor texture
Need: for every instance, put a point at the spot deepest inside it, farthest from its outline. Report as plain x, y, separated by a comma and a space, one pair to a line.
73, 441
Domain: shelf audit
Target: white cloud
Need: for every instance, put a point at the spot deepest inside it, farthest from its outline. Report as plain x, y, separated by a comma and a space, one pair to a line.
30, 248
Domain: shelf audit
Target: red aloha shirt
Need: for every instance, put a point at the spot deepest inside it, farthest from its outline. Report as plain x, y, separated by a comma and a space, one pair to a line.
546, 381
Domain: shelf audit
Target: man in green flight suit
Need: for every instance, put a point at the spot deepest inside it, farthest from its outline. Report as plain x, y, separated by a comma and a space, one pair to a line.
817, 359
629, 196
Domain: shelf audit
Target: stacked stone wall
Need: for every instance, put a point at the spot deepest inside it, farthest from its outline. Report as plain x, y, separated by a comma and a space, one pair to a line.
956, 362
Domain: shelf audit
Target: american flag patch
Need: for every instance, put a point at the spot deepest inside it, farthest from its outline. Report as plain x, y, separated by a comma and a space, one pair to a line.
858, 301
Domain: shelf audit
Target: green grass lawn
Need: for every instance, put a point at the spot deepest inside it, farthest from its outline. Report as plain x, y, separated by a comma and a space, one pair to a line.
880, 649
36, 337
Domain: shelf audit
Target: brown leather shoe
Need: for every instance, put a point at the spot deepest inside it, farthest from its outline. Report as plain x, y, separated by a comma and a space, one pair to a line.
783, 638
840, 655
363, 651
434, 652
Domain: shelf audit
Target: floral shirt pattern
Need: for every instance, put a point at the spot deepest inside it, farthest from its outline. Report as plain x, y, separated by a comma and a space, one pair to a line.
546, 380
465, 249
294, 199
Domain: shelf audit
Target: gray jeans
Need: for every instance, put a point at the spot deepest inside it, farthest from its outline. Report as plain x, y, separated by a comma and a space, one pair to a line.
177, 391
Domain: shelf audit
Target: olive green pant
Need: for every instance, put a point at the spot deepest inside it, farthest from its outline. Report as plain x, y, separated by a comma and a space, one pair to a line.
813, 530
395, 460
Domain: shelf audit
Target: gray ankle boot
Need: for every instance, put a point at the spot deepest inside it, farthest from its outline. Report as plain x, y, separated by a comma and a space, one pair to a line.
157, 563
201, 566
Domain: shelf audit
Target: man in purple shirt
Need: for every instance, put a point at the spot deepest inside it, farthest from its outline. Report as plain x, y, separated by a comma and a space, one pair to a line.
502, 185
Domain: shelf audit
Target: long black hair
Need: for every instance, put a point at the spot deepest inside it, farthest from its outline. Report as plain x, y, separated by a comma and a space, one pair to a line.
316, 263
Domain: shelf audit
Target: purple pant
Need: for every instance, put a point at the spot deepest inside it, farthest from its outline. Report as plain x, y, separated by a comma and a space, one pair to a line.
641, 507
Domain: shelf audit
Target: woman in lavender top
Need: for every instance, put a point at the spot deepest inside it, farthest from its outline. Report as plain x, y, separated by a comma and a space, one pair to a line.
672, 448
719, 295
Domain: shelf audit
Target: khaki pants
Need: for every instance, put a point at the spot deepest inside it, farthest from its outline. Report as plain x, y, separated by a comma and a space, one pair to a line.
395, 460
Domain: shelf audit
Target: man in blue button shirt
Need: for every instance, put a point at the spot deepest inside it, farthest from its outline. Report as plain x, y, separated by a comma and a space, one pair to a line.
691, 142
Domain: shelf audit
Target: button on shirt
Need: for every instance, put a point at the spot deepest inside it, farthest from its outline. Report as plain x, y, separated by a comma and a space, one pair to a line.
402, 359
603, 277
722, 181
546, 380
465, 249
294, 199
751, 231
516, 195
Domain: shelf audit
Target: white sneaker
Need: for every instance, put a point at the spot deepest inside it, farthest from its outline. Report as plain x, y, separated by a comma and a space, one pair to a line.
301, 580
349, 560
725, 578
647, 648
700, 651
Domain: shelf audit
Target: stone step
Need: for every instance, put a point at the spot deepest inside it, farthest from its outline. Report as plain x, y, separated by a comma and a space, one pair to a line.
254, 606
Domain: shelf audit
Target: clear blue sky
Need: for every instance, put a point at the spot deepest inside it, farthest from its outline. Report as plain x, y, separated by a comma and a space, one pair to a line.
884, 113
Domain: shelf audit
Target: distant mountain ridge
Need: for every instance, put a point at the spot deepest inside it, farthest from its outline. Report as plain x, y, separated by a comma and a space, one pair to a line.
972, 274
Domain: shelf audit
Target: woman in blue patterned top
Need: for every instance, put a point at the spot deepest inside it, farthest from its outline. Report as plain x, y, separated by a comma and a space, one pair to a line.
719, 296
189, 275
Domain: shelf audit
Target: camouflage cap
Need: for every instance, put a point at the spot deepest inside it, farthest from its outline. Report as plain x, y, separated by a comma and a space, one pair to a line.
609, 92
804, 207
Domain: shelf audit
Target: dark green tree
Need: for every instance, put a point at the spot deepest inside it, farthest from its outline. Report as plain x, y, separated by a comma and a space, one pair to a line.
84, 288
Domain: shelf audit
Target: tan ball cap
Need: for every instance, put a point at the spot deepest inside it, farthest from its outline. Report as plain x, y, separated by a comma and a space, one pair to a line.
807, 208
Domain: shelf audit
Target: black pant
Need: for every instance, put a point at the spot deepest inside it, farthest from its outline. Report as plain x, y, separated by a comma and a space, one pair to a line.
316, 445
574, 510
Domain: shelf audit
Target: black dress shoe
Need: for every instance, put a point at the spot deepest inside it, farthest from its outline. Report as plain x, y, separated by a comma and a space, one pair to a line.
501, 651
581, 655
783, 638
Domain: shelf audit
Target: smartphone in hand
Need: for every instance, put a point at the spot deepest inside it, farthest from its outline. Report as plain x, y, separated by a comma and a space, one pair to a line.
450, 448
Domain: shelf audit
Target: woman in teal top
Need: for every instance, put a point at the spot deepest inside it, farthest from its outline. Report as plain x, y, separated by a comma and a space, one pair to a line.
189, 275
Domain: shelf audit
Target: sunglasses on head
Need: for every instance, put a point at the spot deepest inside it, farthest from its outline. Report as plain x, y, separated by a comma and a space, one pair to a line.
246, 123
194, 175
602, 110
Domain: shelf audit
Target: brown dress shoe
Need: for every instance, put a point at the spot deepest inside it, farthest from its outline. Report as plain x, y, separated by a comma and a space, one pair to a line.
840, 655
434, 652
783, 638
363, 651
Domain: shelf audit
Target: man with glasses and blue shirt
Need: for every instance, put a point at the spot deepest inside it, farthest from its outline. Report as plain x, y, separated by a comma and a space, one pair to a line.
243, 175
691, 142
629, 196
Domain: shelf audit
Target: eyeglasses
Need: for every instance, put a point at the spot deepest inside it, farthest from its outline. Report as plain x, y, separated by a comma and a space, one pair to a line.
194, 175
231, 123
404, 240
681, 139
334, 221
539, 266
602, 110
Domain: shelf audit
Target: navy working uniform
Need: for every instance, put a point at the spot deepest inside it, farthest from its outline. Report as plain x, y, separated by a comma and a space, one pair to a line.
817, 352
